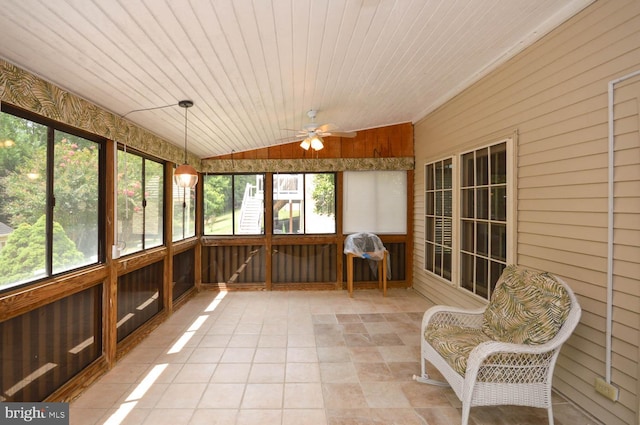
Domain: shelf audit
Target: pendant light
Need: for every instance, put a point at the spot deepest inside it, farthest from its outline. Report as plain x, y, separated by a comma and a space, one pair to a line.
185, 175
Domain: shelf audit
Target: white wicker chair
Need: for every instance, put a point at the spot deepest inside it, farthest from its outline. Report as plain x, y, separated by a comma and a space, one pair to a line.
498, 373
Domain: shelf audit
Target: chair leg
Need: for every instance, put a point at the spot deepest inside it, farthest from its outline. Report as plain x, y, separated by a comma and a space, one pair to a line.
550, 413
423, 371
350, 274
384, 273
465, 413
424, 377
379, 264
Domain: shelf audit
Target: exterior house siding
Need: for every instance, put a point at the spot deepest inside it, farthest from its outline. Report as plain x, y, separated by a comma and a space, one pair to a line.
552, 99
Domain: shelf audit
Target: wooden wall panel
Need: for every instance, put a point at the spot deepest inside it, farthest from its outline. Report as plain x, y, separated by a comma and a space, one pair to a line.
234, 264
332, 147
45, 347
304, 263
139, 297
291, 263
383, 142
183, 272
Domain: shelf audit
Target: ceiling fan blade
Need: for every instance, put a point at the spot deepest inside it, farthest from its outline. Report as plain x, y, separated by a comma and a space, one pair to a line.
291, 139
326, 128
300, 134
311, 129
298, 131
349, 134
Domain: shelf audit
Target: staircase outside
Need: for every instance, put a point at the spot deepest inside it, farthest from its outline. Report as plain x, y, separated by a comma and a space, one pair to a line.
251, 212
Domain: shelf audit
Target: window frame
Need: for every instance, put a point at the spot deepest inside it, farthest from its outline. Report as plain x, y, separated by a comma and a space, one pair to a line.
182, 193
510, 214
259, 186
457, 234
53, 127
128, 150
452, 217
268, 203
304, 175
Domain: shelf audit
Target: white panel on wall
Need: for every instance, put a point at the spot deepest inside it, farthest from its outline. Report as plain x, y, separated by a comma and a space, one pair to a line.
375, 202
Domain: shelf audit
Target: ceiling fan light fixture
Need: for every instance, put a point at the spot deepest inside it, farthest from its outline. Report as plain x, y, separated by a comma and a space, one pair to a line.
316, 143
185, 175
314, 133
306, 143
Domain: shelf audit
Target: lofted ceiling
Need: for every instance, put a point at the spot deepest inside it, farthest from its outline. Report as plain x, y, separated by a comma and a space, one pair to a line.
255, 67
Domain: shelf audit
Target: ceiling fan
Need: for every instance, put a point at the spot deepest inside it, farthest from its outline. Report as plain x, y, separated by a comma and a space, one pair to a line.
311, 134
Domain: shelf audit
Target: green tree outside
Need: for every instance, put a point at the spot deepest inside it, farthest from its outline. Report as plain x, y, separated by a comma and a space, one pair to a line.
217, 196
22, 147
324, 194
23, 257
23, 199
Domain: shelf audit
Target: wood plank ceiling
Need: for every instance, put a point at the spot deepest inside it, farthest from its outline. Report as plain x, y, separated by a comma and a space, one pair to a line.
254, 68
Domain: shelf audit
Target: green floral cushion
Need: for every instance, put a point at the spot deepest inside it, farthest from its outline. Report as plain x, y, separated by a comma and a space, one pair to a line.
454, 343
527, 307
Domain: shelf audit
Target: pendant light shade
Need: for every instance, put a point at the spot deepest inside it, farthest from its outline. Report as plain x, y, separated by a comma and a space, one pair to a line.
185, 175
313, 141
306, 143
316, 143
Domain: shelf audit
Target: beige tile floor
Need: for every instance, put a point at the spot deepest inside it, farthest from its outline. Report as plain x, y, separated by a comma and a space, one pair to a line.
287, 358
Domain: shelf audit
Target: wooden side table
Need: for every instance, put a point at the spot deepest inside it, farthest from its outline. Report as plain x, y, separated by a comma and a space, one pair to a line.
382, 273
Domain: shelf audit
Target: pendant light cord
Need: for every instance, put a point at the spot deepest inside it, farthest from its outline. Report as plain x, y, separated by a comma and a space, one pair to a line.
125, 176
148, 109
186, 104
124, 144
186, 109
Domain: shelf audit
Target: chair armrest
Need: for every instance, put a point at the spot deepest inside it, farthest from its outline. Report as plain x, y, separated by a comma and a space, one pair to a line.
489, 348
441, 315
496, 361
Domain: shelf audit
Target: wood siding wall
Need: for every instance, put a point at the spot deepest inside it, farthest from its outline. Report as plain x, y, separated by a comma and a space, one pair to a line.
393, 141
552, 99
